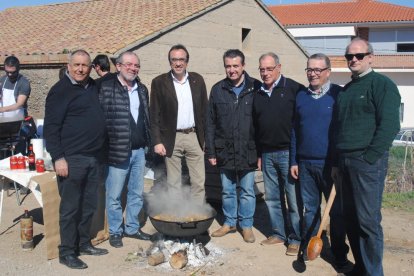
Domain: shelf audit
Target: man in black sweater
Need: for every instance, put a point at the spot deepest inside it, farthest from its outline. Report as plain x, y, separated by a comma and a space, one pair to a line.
74, 133
273, 112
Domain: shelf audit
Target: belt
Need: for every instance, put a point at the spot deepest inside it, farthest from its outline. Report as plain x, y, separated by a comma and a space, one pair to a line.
187, 130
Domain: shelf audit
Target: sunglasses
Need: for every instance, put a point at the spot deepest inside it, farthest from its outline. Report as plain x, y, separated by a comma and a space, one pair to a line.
359, 56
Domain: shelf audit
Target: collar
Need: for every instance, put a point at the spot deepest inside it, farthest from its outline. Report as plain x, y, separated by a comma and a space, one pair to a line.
325, 88
134, 84
180, 82
369, 70
263, 88
85, 85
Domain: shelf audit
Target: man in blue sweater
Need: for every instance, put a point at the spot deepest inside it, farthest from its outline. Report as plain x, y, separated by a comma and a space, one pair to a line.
311, 155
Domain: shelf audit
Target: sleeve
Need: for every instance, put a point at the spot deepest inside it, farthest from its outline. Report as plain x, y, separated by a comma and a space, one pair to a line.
292, 155
210, 127
24, 87
387, 101
155, 112
55, 113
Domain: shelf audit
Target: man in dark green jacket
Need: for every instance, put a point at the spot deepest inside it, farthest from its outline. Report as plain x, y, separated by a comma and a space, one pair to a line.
367, 121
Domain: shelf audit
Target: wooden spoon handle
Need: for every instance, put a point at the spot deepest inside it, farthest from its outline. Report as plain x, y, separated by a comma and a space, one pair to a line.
326, 211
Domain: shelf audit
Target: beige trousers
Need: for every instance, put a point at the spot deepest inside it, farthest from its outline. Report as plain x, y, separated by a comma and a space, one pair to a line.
187, 146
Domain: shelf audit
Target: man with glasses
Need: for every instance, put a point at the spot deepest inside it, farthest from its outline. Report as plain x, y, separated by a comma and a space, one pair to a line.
273, 113
312, 154
15, 90
230, 143
367, 120
178, 106
124, 100
74, 131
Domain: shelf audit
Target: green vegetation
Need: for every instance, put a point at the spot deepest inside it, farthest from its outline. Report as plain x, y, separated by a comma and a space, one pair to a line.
398, 192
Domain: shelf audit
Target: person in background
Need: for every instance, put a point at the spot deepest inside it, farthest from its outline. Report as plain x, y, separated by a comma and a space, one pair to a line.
102, 67
74, 130
366, 122
124, 100
15, 90
312, 156
177, 111
230, 143
273, 113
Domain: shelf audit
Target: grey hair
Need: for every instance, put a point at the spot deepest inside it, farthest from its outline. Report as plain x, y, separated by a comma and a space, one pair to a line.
355, 39
121, 56
270, 54
80, 52
321, 56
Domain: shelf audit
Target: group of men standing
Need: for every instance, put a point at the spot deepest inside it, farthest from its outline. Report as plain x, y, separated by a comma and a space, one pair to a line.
302, 138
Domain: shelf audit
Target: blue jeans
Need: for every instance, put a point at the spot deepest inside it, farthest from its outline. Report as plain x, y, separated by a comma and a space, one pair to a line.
362, 186
244, 211
278, 183
131, 172
315, 180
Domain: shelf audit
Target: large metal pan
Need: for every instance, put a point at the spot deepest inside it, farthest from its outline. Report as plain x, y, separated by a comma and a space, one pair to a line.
183, 229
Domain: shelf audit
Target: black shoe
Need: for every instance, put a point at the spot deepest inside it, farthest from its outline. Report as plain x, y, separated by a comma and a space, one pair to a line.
139, 235
89, 249
115, 241
72, 261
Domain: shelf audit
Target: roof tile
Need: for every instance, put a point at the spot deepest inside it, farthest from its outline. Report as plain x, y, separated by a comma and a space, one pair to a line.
96, 25
348, 11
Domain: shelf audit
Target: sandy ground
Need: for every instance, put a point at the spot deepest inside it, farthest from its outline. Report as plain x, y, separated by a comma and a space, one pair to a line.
238, 257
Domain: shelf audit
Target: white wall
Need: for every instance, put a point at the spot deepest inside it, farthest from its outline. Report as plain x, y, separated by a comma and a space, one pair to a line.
405, 83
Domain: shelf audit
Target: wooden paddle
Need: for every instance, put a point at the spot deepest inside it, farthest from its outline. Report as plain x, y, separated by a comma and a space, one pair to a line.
315, 244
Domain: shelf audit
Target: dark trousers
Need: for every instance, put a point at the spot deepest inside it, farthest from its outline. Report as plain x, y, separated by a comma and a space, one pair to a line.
362, 187
78, 193
315, 181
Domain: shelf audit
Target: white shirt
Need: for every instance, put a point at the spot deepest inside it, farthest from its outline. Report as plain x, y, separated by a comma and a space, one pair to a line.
185, 115
133, 101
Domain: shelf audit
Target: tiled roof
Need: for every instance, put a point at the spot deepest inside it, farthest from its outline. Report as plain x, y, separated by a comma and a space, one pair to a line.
98, 26
357, 11
380, 62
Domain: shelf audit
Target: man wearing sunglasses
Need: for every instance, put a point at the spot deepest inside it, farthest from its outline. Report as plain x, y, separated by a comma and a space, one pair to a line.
15, 90
367, 120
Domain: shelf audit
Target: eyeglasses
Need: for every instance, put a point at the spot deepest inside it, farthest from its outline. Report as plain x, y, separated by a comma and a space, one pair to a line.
267, 69
359, 56
317, 71
176, 60
131, 65
11, 73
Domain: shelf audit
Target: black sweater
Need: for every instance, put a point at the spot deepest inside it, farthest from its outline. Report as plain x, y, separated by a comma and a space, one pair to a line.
273, 116
74, 121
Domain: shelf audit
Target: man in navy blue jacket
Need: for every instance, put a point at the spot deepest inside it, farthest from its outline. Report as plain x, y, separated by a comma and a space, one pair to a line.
74, 132
312, 153
273, 113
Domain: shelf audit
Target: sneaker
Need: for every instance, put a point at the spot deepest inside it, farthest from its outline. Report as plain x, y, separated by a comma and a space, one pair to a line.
224, 230
272, 240
115, 241
293, 249
248, 235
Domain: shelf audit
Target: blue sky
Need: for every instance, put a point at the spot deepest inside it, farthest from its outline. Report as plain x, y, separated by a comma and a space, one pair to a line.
8, 3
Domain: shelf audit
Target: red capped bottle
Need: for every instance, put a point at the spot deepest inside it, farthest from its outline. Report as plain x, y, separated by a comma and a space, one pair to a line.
31, 158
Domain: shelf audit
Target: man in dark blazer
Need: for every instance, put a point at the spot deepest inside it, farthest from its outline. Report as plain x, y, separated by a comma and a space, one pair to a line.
177, 112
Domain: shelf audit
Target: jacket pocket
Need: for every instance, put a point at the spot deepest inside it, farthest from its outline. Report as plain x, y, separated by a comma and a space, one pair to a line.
221, 152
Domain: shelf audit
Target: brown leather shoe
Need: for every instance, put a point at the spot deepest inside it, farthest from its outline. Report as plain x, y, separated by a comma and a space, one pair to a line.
225, 229
272, 240
248, 235
292, 250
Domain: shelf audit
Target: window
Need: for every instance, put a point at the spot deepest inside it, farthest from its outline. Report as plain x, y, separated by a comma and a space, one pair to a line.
245, 39
401, 112
405, 47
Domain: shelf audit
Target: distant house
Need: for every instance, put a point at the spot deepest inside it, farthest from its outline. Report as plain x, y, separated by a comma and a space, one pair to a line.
329, 26
42, 36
